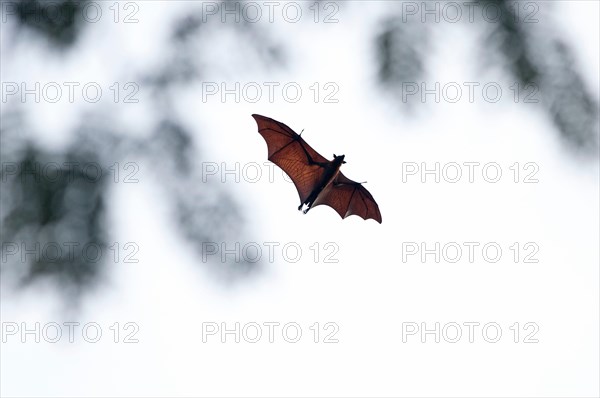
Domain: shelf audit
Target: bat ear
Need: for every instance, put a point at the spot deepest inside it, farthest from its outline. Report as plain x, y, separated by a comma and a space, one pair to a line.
341, 156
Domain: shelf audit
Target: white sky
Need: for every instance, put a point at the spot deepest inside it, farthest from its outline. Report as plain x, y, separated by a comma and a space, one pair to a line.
370, 293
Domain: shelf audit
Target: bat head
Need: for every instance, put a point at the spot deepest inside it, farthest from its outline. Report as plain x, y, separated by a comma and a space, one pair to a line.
339, 159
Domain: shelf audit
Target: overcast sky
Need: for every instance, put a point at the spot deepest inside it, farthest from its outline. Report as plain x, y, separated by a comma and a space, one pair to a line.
360, 293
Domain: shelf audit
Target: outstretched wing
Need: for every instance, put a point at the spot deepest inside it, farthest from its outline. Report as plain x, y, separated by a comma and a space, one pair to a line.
349, 197
290, 152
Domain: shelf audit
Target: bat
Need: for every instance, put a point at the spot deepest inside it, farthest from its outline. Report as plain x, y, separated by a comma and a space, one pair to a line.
319, 181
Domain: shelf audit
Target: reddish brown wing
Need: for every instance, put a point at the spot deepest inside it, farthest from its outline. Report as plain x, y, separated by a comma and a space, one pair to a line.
290, 152
349, 197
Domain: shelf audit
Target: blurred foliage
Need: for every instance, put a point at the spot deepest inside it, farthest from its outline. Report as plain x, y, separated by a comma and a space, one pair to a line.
53, 216
35, 210
534, 56
57, 20
399, 49
204, 211
57, 200
190, 28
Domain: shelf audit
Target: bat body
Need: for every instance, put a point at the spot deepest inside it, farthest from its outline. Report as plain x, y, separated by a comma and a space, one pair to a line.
319, 181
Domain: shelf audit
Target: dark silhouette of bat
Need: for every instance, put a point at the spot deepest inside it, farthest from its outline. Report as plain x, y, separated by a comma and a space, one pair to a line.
319, 181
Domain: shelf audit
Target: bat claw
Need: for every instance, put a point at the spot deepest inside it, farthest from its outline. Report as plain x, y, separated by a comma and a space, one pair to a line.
305, 211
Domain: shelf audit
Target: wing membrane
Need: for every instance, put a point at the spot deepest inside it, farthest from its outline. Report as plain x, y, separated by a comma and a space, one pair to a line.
348, 198
292, 154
